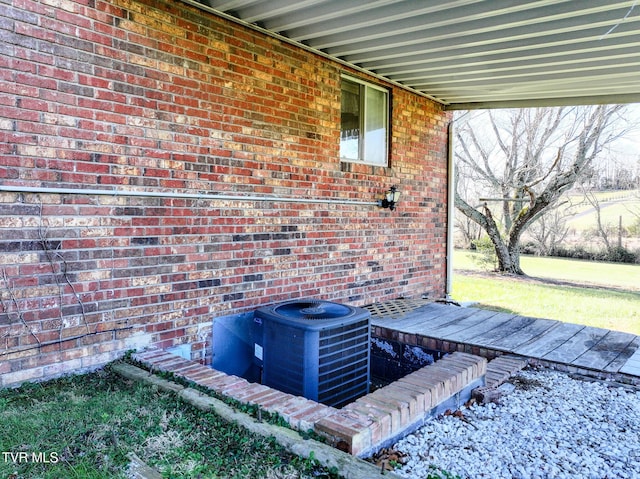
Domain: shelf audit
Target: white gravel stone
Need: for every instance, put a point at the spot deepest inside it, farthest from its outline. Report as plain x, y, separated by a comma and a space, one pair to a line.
550, 426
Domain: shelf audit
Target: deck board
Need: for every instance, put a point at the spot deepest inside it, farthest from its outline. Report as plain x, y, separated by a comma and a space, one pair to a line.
577, 345
425, 313
492, 321
632, 365
497, 335
625, 356
545, 339
525, 335
605, 351
466, 322
551, 339
424, 318
435, 325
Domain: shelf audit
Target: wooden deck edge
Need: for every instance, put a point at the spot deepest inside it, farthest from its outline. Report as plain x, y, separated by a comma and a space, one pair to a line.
619, 377
489, 353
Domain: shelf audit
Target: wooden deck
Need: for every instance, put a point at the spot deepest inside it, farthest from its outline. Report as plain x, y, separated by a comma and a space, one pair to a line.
450, 327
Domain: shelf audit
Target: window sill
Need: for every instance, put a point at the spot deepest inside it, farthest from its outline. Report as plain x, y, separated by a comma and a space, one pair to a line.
347, 166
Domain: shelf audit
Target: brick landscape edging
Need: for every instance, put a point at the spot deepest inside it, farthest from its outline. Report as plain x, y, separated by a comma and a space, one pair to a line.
358, 428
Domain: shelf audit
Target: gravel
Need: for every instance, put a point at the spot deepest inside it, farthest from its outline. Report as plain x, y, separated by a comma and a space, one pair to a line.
549, 426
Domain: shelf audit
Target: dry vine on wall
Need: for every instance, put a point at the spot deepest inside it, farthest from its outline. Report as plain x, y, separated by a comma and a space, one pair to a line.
13, 298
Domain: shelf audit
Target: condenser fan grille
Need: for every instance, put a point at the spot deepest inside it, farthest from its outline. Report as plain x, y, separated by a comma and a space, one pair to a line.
313, 310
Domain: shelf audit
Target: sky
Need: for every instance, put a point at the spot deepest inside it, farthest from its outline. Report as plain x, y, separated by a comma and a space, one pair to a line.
627, 149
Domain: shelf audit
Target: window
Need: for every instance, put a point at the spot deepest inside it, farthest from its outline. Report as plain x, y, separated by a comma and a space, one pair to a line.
364, 129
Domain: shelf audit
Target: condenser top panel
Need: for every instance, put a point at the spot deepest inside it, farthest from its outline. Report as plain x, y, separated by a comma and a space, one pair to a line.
312, 314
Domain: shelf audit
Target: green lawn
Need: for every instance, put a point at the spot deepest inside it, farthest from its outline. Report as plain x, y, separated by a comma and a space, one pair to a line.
84, 427
613, 304
609, 275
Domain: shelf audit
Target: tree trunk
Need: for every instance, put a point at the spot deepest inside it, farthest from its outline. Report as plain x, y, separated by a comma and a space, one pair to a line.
514, 257
508, 260
508, 253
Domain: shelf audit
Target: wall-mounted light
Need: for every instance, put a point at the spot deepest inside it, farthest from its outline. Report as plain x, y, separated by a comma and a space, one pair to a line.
392, 196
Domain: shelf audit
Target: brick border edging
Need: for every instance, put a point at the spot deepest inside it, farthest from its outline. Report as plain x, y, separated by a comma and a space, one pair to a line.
358, 427
350, 467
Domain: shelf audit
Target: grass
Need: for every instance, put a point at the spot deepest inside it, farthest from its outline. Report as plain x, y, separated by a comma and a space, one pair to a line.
84, 426
614, 204
609, 215
608, 275
609, 298
615, 310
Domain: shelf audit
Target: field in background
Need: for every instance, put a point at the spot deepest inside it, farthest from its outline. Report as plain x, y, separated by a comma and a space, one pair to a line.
580, 219
605, 295
614, 205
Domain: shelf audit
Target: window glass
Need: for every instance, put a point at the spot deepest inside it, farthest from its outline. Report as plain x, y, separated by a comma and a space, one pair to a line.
375, 130
350, 121
364, 122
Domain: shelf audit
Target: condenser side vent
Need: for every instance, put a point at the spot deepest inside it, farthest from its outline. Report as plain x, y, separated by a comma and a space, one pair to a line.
343, 366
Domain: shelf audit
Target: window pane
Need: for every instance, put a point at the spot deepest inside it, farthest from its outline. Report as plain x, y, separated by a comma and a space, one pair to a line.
350, 133
375, 135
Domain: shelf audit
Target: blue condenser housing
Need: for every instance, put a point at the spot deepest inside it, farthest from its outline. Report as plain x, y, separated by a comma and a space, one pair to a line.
315, 349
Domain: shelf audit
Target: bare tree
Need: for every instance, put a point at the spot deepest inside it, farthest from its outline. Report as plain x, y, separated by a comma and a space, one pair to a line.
634, 208
469, 229
527, 158
550, 230
602, 231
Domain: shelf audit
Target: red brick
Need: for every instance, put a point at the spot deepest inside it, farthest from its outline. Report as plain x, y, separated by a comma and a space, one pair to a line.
219, 383
406, 403
144, 123
381, 418
350, 427
19, 377
272, 402
422, 394
246, 394
212, 379
187, 371
150, 356
200, 374
259, 394
232, 385
437, 386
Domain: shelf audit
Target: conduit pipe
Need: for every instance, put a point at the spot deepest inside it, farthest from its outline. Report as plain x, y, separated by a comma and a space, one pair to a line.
167, 194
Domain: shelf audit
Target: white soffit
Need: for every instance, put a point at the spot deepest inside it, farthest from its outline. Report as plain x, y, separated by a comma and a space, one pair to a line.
469, 53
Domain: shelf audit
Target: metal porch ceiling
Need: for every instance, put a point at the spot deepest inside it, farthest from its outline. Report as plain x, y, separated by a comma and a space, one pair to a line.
469, 53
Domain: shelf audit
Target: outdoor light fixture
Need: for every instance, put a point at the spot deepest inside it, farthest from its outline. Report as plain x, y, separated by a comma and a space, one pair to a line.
392, 196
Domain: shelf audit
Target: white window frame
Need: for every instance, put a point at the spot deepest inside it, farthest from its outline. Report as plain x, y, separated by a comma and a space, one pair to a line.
362, 153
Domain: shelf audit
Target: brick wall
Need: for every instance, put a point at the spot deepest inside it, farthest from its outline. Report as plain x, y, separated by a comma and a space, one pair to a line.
159, 96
